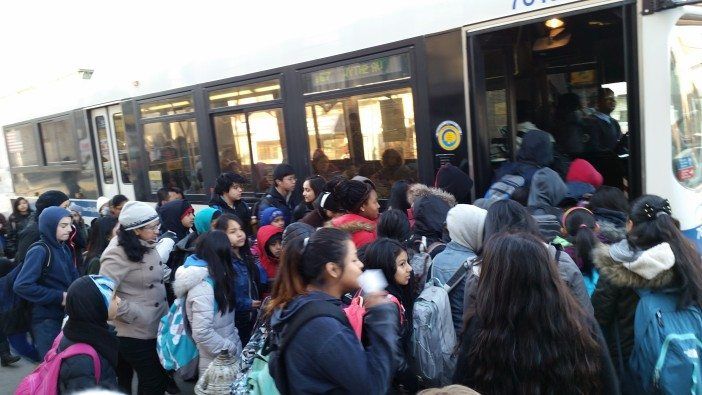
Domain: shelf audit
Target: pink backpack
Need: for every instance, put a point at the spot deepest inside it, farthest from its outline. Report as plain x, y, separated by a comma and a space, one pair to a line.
44, 379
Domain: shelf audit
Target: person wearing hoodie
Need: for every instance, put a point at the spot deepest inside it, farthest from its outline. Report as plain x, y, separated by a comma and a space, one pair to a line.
360, 202
251, 281
47, 291
465, 225
611, 208
535, 152
282, 193
227, 199
311, 188
325, 356
31, 232
511, 217
546, 192
452, 180
655, 255
428, 231
178, 217
132, 262
269, 245
89, 304
204, 281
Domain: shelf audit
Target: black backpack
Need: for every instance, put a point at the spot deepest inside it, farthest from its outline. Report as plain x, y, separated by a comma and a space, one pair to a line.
15, 312
278, 340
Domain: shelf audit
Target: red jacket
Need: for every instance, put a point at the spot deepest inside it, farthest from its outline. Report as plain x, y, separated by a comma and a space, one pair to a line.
362, 229
269, 263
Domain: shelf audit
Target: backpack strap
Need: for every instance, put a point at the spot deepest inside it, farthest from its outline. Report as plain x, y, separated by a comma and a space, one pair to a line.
47, 257
307, 313
80, 349
458, 276
559, 249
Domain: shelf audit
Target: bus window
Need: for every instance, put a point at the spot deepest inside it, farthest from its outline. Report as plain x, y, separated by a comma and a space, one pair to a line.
104, 146
686, 116
59, 141
122, 148
174, 156
22, 147
371, 135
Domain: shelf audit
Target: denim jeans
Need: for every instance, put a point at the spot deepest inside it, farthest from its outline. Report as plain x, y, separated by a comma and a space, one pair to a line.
44, 332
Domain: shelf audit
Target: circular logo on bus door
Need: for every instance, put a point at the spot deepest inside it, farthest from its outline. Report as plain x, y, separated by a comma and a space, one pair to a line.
448, 135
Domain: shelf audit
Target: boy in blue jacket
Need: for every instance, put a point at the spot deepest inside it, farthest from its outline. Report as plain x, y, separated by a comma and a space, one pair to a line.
47, 291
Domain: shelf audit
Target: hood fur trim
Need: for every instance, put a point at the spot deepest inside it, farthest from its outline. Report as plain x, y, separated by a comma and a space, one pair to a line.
354, 226
417, 191
187, 277
652, 269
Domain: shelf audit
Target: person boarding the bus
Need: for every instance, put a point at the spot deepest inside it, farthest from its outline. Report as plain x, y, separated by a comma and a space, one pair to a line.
282, 194
227, 199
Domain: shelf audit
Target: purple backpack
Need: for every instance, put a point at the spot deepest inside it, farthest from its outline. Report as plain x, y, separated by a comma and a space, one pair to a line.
44, 379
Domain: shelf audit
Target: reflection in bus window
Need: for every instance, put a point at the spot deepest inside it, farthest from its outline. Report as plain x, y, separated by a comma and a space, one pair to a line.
251, 144
22, 147
174, 156
104, 147
122, 147
370, 135
59, 141
686, 111
76, 183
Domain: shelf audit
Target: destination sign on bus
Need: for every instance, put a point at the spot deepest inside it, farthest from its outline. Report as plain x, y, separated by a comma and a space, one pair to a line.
529, 5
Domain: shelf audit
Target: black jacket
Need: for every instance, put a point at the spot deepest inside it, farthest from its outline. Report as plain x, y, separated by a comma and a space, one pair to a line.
301, 210
274, 199
240, 209
16, 225
77, 372
26, 238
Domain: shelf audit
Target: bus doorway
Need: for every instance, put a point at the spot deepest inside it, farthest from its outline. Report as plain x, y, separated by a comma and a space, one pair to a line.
571, 76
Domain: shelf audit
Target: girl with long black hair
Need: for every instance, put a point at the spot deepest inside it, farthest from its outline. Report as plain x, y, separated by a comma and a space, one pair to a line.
102, 231
251, 280
19, 219
391, 257
581, 229
325, 356
206, 282
311, 188
655, 255
526, 333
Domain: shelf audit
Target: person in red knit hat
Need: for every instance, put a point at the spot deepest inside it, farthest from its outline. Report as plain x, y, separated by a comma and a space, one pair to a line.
582, 171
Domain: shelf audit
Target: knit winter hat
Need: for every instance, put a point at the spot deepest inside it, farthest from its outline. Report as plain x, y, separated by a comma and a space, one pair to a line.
465, 224
269, 214
136, 214
282, 170
48, 199
106, 287
101, 201
582, 171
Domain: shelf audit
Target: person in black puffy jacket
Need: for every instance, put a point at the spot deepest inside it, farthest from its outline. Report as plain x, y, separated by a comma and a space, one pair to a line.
89, 304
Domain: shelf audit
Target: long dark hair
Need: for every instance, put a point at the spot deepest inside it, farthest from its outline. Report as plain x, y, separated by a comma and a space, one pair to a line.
98, 239
214, 248
580, 224
610, 198
302, 265
222, 223
533, 337
132, 244
509, 216
16, 204
382, 254
398, 196
394, 224
317, 184
653, 225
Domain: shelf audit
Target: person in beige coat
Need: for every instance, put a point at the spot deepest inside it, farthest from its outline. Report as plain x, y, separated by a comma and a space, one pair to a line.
206, 282
133, 263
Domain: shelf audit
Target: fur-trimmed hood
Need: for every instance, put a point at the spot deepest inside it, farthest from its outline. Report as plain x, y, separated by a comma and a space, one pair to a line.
625, 267
193, 272
353, 223
416, 191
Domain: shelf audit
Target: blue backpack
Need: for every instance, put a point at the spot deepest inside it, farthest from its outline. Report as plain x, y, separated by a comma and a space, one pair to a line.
667, 347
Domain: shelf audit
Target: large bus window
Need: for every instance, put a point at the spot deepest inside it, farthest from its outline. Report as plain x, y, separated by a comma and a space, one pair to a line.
122, 148
104, 147
172, 106
370, 135
22, 146
174, 156
59, 141
251, 144
247, 94
76, 183
686, 110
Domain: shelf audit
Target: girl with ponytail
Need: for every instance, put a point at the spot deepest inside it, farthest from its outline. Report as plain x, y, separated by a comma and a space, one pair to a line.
655, 255
580, 228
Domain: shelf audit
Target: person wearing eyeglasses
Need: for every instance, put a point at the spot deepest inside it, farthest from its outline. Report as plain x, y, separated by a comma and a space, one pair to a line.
131, 260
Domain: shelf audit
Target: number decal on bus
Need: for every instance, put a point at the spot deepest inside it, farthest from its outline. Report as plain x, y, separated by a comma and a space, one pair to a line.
527, 3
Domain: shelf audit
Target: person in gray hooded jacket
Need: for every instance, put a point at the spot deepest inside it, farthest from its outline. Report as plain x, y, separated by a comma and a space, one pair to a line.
204, 282
546, 192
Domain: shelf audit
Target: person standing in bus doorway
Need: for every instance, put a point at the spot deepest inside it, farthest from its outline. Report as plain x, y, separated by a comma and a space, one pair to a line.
605, 135
281, 194
227, 199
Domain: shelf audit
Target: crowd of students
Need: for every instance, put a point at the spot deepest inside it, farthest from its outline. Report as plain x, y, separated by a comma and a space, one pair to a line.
554, 270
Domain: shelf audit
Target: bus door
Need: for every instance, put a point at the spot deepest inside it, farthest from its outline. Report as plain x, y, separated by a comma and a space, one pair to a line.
112, 154
493, 102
